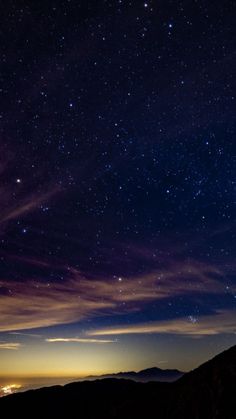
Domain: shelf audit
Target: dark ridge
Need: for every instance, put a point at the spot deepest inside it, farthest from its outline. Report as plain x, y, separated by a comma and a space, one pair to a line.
149, 374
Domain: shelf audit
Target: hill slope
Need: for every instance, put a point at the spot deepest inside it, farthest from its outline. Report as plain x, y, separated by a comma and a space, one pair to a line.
208, 391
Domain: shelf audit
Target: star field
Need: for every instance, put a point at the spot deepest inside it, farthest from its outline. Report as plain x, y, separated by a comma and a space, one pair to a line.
118, 178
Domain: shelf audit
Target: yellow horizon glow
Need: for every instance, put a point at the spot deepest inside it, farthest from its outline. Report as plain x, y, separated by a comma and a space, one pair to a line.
56, 375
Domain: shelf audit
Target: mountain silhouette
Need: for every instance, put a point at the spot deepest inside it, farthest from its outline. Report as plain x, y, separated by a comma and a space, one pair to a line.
208, 392
144, 376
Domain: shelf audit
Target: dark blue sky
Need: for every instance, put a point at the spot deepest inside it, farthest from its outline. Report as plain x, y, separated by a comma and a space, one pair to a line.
118, 179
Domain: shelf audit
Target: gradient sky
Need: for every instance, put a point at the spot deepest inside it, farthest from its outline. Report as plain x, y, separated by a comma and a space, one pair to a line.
118, 185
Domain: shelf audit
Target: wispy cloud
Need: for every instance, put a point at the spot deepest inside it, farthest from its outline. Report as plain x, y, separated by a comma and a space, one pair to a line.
26, 205
30, 335
78, 297
80, 340
47, 304
220, 322
10, 346
22, 196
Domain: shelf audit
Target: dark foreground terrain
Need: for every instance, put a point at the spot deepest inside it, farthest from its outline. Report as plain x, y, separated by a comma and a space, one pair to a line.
208, 392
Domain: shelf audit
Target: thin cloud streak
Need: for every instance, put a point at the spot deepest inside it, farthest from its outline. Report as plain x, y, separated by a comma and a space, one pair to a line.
17, 201
80, 340
221, 322
10, 346
29, 335
27, 204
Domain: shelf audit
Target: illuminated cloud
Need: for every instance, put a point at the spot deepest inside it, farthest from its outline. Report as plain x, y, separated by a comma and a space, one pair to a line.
220, 322
80, 340
78, 297
10, 346
46, 304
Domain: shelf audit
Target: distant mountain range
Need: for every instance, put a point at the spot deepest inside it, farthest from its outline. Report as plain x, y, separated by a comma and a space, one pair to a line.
208, 392
143, 376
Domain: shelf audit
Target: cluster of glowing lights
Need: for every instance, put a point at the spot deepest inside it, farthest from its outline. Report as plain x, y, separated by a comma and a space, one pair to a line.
9, 389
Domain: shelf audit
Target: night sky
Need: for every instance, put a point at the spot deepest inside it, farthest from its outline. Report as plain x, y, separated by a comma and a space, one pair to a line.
118, 185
